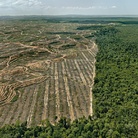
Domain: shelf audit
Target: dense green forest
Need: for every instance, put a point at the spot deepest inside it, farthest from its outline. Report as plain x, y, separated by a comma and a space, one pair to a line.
115, 93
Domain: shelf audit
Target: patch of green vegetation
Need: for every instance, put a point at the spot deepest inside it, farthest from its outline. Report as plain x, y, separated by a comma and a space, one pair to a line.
90, 27
65, 33
115, 89
128, 22
15, 98
76, 37
68, 46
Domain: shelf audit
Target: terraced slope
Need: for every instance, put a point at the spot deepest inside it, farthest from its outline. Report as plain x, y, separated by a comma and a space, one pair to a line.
46, 80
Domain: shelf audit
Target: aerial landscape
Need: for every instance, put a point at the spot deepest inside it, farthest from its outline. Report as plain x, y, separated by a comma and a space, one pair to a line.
68, 75
52, 64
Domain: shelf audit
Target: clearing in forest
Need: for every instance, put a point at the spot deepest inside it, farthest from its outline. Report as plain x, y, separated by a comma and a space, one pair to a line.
47, 71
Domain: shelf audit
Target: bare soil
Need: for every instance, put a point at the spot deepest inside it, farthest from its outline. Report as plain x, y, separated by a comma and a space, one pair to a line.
45, 76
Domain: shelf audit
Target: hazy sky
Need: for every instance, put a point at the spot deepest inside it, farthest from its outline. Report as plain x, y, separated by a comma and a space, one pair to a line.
63, 7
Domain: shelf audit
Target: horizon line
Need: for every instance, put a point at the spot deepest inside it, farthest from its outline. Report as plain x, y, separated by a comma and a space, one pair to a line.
120, 15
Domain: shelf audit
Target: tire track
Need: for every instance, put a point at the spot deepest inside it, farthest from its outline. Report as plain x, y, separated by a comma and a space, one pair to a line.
29, 119
46, 99
57, 92
67, 89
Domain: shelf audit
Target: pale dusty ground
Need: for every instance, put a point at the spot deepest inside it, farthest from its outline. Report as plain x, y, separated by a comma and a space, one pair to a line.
51, 83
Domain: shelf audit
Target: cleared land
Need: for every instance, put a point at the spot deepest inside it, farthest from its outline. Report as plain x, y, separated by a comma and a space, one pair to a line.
47, 71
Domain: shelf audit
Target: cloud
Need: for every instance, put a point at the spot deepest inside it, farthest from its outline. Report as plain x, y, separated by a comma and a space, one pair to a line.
79, 8
29, 7
113, 7
88, 8
22, 7
27, 3
20, 3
